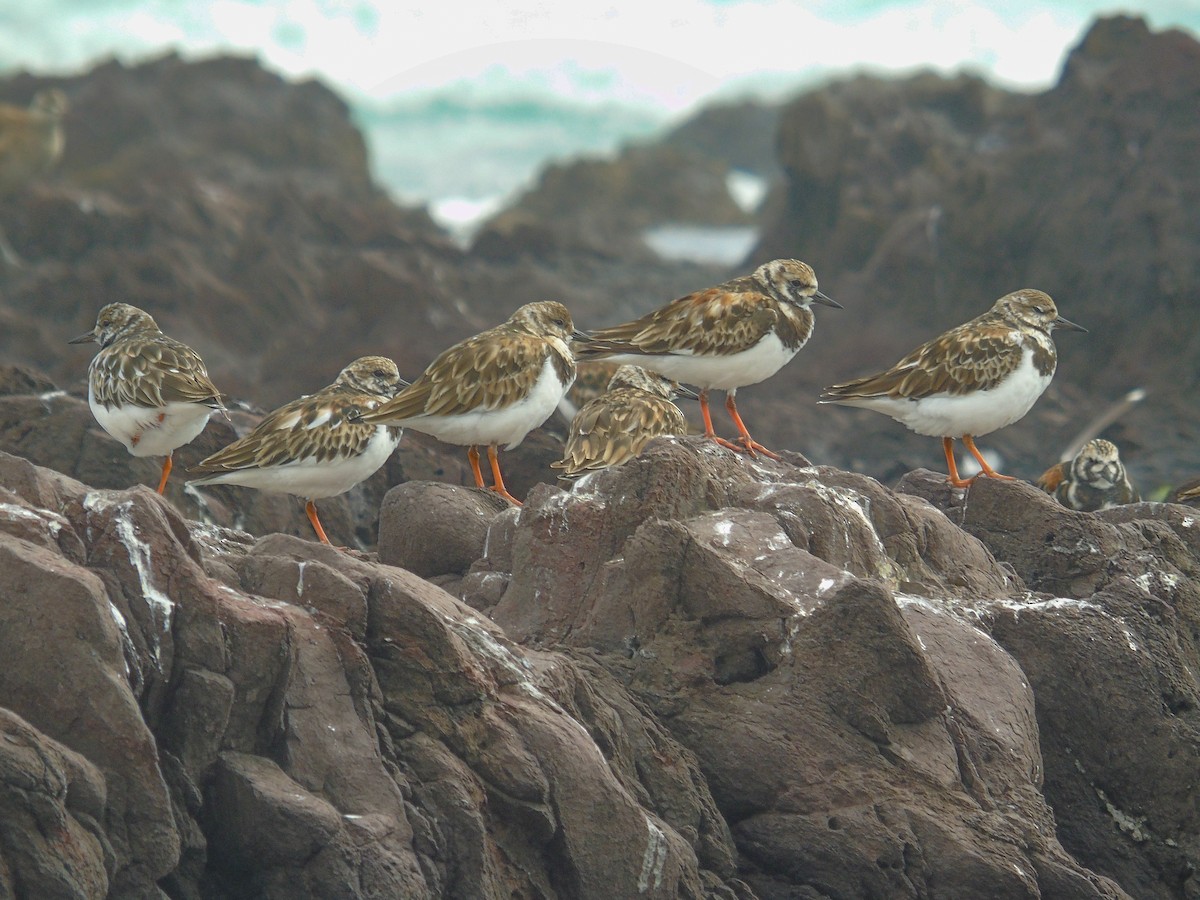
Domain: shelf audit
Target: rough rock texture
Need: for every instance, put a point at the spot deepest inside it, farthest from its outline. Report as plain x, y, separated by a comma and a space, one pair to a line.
1112, 653
691, 676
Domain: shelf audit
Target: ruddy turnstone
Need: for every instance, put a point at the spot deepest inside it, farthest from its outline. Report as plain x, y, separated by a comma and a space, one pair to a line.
971, 380
147, 390
1188, 493
493, 388
1093, 480
311, 447
724, 337
614, 427
591, 380
31, 142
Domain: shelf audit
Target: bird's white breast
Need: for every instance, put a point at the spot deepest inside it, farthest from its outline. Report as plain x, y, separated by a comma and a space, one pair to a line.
151, 431
508, 425
314, 479
725, 373
976, 413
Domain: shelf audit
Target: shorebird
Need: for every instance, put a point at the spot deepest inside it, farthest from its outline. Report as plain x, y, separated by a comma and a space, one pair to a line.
971, 380
725, 337
614, 427
311, 447
147, 390
1093, 480
491, 389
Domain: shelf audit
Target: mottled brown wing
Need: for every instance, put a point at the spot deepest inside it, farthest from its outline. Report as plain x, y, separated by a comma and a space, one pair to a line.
151, 374
968, 358
614, 428
713, 322
317, 427
489, 371
1053, 477
1187, 492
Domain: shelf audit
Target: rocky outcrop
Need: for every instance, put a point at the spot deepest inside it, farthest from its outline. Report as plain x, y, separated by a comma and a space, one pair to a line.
602, 206
692, 676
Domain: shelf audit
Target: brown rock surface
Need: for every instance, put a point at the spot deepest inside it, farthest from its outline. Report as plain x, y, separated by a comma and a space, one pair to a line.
699, 676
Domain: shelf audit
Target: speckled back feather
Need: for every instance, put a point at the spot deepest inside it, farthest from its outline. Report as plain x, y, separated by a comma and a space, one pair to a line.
722, 320
975, 356
319, 427
492, 370
615, 427
138, 365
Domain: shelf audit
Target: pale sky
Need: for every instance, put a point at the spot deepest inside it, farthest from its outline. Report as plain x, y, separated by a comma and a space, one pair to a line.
668, 53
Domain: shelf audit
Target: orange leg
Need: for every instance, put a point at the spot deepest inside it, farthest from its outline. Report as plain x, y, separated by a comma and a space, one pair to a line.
708, 428
708, 425
948, 446
748, 444
987, 470
311, 509
166, 472
473, 456
498, 479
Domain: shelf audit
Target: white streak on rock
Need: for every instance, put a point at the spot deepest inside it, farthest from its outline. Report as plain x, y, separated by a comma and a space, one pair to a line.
139, 557
124, 629
53, 521
654, 859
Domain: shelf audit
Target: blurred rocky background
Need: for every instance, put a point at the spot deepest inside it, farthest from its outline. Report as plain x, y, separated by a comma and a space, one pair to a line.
991, 699
239, 209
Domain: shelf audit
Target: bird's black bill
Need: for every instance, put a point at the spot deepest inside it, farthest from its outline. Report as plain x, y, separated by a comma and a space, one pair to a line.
1060, 322
818, 297
86, 338
682, 390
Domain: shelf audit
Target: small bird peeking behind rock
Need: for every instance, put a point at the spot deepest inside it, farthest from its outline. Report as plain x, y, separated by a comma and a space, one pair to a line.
1095, 479
614, 427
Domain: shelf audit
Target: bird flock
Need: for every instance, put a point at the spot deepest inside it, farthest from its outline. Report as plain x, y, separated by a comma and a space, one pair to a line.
153, 393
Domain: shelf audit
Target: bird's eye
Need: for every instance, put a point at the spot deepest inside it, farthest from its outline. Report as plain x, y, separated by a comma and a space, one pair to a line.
796, 283
379, 373
560, 323
1039, 310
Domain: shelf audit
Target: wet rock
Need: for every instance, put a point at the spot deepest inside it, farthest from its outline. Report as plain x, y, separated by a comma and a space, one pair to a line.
436, 529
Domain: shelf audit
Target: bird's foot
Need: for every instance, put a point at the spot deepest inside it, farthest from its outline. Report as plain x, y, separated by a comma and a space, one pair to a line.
503, 492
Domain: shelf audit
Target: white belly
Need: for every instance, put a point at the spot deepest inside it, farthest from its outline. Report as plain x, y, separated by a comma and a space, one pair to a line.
506, 426
151, 431
944, 415
311, 479
725, 373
